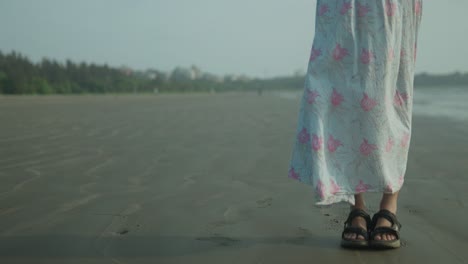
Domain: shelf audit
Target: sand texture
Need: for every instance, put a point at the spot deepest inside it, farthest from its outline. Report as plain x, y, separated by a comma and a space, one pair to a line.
200, 179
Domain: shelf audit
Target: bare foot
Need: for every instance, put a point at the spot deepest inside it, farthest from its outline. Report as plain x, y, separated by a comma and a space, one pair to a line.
382, 222
388, 202
357, 222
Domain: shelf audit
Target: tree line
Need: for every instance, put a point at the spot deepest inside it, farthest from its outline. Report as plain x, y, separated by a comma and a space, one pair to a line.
18, 75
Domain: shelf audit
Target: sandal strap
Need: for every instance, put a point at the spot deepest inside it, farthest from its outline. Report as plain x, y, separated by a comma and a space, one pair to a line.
355, 230
391, 217
358, 213
385, 230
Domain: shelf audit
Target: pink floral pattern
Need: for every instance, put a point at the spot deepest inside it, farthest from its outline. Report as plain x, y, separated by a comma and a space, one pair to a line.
363, 9
314, 54
418, 7
293, 174
389, 145
368, 103
312, 96
334, 187
333, 144
321, 189
362, 187
405, 140
353, 131
317, 143
336, 98
390, 8
367, 56
303, 136
346, 7
366, 148
388, 188
400, 98
339, 53
323, 9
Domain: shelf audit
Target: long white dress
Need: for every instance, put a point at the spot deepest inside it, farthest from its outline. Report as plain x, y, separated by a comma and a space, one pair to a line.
354, 124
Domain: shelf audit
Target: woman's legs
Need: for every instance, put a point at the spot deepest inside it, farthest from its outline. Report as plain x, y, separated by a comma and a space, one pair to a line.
389, 202
358, 221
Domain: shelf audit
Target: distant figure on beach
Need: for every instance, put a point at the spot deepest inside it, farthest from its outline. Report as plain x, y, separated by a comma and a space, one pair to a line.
354, 123
260, 91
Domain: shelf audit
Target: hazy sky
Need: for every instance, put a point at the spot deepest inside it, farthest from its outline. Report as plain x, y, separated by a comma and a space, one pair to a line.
255, 37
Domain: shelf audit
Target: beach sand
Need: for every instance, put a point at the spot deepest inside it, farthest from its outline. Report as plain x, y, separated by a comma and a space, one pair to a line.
200, 179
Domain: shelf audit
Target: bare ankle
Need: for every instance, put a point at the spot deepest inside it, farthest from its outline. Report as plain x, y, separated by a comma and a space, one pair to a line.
389, 202
391, 208
359, 202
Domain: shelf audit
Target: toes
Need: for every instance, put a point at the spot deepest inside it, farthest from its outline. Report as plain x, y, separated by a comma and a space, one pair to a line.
389, 237
385, 237
351, 236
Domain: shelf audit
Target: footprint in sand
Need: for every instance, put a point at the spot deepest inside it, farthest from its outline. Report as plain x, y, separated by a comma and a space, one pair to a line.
189, 180
333, 219
79, 202
301, 235
219, 239
238, 213
235, 214
232, 215
412, 210
265, 202
123, 231
119, 224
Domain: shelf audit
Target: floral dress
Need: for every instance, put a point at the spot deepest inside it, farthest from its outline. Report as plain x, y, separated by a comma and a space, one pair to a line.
354, 123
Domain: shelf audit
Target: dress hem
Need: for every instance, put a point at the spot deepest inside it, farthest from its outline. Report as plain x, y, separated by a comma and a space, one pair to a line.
346, 197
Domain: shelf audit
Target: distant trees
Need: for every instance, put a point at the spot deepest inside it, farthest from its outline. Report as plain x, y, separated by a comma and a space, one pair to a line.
18, 75
452, 79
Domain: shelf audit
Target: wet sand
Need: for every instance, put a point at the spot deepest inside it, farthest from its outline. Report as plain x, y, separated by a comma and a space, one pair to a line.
200, 179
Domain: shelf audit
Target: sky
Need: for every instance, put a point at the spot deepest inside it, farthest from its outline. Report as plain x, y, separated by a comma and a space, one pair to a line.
261, 38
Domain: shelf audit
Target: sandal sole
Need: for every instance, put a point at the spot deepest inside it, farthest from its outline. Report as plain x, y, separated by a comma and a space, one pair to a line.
354, 244
385, 244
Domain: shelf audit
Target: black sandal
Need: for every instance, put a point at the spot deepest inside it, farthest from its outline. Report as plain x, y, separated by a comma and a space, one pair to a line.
356, 243
394, 230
